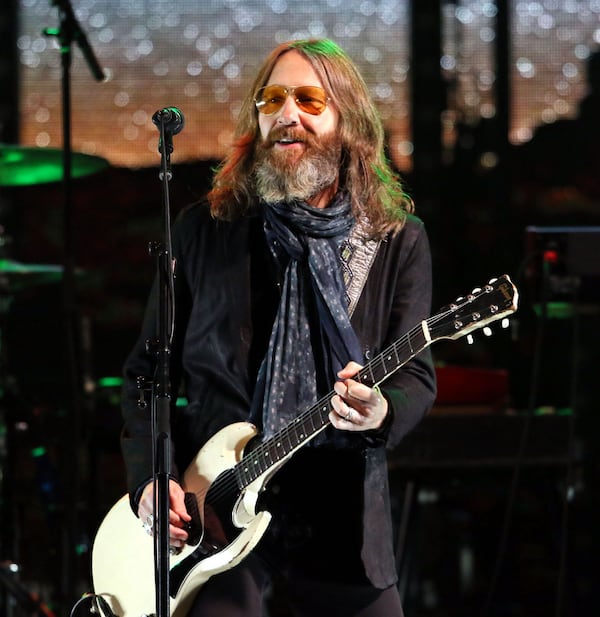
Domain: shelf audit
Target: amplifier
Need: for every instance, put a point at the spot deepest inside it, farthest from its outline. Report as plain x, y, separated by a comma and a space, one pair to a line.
570, 256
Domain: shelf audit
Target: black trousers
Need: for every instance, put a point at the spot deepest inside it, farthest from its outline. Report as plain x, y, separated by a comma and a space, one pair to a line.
241, 592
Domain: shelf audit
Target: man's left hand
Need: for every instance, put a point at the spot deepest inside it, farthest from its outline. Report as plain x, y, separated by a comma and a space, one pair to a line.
356, 407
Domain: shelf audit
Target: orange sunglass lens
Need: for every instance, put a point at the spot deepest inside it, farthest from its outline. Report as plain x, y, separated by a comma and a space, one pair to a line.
310, 99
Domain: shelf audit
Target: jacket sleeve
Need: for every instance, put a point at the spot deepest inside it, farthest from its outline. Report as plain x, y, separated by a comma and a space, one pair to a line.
397, 297
136, 435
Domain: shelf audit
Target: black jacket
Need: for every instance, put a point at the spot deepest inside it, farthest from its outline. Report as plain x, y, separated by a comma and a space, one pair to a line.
226, 296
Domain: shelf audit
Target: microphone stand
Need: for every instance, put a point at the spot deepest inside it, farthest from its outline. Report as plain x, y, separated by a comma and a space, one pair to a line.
70, 31
161, 396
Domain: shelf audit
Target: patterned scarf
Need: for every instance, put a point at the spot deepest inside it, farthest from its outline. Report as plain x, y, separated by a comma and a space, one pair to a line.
312, 338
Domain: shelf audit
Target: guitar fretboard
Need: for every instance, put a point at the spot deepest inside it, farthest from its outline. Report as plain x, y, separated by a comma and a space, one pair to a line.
312, 421
481, 306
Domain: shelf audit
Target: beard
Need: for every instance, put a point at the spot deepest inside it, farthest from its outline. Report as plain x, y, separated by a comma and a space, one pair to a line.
284, 176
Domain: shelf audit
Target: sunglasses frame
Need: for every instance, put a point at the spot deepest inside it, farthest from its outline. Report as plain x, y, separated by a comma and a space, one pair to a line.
289, 91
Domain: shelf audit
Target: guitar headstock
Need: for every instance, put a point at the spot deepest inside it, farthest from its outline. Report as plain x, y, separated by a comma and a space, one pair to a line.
495, 300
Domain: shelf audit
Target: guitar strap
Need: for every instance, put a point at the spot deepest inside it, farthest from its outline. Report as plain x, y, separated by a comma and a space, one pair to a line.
357, 255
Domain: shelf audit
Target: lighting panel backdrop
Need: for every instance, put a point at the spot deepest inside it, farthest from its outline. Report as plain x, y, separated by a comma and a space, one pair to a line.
202, 55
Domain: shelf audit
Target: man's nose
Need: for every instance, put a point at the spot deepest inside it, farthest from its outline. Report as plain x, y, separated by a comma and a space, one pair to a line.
288, 114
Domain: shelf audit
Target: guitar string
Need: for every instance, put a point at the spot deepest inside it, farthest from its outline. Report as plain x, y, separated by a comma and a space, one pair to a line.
397, 348
253, 458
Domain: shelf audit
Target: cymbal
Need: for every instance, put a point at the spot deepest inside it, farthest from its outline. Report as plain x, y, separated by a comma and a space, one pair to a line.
16, 276
24, 166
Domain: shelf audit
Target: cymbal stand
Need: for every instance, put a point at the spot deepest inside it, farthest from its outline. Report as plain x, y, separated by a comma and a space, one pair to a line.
9, 528
7, 518
70, 31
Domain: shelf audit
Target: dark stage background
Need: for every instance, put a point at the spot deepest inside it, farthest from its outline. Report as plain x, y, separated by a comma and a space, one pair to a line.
492, 113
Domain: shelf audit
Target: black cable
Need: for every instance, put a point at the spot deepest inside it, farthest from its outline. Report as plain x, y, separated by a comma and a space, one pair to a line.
98, 606
569, 477
533, 392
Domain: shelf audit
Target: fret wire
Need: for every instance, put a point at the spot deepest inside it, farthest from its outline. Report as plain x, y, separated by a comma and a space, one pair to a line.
239, 476
395, 346
292, 436
256, 471
270, 454
249, 467
313, 428
420, 341
273, 450
289, 439
399, 346
256, 466
409, 343
374, 370
265, 460
298, 432
382, 361
382, 368
316, 418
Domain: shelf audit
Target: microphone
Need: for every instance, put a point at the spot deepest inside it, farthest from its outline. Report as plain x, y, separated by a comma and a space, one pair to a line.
171, 118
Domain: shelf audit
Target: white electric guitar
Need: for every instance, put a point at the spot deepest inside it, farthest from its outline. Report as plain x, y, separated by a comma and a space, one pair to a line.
226, 482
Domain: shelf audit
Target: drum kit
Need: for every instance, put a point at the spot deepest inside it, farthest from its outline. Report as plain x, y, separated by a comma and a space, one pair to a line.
28, 166
22, 167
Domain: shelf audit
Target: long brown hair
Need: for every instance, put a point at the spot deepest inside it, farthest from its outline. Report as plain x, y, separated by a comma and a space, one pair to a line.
376, 191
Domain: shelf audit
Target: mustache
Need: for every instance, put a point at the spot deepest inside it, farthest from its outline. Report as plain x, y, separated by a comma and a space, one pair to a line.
288, 133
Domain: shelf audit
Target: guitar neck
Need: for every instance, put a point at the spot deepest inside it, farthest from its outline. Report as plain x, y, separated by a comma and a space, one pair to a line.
482, 306
312, 421
395, 356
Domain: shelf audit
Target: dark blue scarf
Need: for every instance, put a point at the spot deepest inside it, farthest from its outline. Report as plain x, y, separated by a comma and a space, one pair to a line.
312, 338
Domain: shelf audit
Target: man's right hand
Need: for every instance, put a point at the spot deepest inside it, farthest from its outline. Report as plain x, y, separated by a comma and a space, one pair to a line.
178, 515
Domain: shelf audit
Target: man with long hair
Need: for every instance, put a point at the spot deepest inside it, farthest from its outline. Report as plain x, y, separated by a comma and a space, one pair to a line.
305, 263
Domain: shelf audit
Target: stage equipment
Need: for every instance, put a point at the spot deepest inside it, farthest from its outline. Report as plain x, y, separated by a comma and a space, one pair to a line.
22, 166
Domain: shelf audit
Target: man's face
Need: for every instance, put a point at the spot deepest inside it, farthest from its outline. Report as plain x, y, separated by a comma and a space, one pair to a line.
299, 155
292, 69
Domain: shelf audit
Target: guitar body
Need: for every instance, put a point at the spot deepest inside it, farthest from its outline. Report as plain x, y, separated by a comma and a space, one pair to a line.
123, 553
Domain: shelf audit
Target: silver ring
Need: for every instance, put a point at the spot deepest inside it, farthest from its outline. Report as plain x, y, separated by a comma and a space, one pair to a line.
148, 524
347, 417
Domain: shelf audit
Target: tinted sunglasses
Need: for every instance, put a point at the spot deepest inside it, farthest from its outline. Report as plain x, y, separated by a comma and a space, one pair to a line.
310, 99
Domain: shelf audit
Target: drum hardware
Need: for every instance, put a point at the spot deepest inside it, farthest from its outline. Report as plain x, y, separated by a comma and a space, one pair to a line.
16, 171
28, 601
27, 166
16, 276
